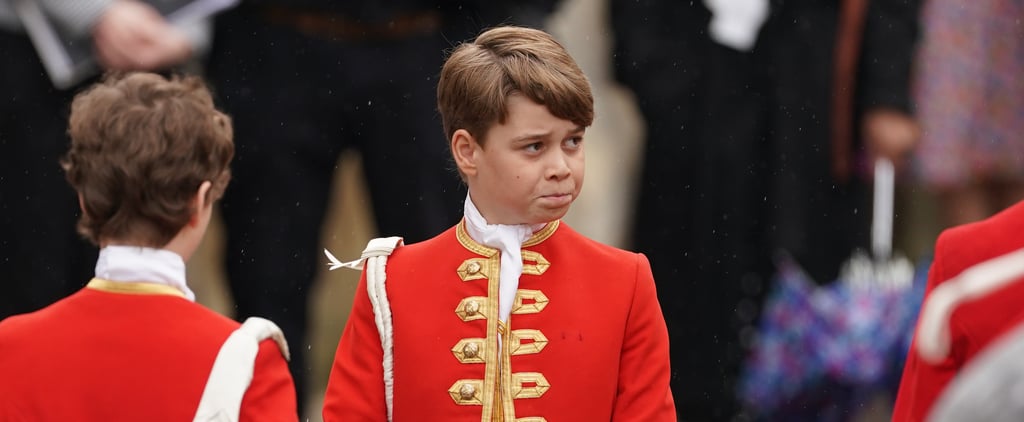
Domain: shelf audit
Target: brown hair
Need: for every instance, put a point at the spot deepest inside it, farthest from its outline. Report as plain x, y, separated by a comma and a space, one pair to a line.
141, 145
478, 78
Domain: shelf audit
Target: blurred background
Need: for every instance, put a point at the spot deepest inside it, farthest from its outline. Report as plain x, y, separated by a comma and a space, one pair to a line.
734, 144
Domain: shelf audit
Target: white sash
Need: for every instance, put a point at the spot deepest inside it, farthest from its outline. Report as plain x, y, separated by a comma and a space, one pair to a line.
233, 370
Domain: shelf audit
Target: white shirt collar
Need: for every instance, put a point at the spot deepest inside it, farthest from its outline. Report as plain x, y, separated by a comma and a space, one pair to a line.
133, 264
508, 239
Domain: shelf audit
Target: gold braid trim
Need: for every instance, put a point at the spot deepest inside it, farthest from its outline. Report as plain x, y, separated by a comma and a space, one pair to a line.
133, 288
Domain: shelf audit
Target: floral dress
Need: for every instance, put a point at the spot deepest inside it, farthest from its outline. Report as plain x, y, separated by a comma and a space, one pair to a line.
969, 92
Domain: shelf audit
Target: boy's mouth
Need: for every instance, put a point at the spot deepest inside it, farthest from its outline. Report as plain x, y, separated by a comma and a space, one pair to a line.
557, 199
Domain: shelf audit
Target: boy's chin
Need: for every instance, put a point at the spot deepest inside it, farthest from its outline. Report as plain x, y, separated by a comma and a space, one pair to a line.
548, 216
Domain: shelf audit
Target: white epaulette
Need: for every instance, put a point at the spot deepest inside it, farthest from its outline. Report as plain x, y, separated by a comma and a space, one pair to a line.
233, 370
933, 332
375, 259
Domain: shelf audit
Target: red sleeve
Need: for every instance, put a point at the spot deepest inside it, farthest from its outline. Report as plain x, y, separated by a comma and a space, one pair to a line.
271, 395
643, 391
922, 381
355, 390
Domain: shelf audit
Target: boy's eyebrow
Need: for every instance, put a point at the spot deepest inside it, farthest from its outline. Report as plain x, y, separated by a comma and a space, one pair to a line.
538, 135
529, 136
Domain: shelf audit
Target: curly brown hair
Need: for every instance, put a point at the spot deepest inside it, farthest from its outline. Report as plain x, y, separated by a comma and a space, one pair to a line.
478, 77
141, 146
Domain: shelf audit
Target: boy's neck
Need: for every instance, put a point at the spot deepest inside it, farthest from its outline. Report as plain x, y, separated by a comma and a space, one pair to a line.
473, 215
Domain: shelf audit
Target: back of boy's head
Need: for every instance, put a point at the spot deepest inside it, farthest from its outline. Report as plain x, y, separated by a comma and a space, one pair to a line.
141, 146
478, 78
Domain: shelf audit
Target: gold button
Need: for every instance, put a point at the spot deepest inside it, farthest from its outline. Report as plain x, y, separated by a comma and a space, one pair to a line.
467, 391
471, 350
473, 267
472, 307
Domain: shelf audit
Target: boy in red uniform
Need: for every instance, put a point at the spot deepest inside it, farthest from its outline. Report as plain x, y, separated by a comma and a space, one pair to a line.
974, 324
510, 315
148, 158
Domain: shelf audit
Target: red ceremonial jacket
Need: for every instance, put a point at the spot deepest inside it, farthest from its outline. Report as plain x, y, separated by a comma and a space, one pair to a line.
586, 340
127, 352
973, 324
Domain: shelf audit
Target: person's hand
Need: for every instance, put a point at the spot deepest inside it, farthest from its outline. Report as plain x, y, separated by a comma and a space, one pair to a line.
890, 133
131, 35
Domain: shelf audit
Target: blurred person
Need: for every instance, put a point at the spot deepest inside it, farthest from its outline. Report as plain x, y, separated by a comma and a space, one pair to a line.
305, 80
37, 209
510, 314
148, 157
970, 98
835, 79
838, 95
758, 116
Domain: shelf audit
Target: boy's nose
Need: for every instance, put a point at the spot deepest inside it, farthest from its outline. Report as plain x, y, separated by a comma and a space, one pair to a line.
559, 168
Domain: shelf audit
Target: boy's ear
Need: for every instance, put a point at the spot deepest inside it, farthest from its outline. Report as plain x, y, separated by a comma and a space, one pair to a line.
465, 150
200, 201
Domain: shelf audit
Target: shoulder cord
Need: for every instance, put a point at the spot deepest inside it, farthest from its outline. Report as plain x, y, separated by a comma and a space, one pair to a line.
233, 368
375, 259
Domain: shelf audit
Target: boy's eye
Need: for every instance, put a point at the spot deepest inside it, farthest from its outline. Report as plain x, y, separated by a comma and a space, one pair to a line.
534, 147
574, 142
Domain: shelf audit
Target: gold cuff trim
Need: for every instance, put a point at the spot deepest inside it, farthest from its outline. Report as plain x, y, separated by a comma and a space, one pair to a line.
470, 350
477, 248
133, 288
478, 268
532, 419
529, 385
472, 308
529, 302
537, 342
467, 392
539, 266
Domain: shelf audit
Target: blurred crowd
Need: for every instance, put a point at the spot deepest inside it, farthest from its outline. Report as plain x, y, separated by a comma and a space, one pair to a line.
761, 121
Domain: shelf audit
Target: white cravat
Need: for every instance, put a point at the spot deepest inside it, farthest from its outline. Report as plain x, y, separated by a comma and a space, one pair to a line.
133, 264
735, 23
508, 239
